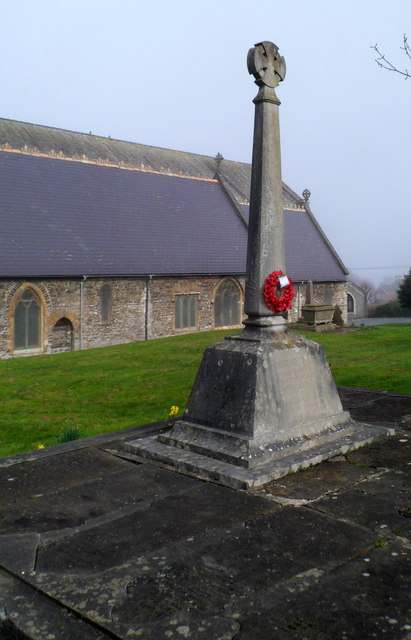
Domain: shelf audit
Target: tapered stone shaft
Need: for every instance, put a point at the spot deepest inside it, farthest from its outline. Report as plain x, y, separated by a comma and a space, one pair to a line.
265, 252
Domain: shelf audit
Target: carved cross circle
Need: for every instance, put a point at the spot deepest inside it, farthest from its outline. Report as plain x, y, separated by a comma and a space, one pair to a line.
265, 64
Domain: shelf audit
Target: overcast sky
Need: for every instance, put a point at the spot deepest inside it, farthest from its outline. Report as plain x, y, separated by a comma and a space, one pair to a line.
172, 73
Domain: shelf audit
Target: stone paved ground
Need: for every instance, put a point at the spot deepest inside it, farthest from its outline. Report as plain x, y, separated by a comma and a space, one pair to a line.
96, 545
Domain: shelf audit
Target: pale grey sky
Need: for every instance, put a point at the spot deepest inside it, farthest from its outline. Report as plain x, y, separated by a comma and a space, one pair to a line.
172, 73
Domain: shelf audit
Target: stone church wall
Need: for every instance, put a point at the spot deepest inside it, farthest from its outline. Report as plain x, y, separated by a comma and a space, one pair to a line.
358, 302
78, 304
127, 321
324, 293
162, 295
141, 308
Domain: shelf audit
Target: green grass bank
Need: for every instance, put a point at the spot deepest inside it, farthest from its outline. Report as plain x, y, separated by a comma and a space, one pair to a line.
103, 390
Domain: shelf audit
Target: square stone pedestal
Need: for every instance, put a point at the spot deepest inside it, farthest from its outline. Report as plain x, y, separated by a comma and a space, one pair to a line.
262, 405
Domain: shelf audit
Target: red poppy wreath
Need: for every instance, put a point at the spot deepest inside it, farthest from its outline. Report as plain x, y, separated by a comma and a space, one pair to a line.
271, 286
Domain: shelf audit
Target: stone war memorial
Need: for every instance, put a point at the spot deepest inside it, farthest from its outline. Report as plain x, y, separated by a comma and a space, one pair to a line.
264, 402
182, 531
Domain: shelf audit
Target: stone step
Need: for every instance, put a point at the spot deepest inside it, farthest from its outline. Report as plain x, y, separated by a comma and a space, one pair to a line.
208, 468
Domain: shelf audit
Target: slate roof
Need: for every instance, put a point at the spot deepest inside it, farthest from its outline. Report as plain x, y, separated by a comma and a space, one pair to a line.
64, 218
33, 138
68, 218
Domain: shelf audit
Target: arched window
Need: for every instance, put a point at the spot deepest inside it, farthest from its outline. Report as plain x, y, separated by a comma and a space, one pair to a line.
328, 295
62, 335
350, 303
27, 321
227, 305
106, 303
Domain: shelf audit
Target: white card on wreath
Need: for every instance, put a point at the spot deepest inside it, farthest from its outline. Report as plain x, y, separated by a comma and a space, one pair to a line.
283, 281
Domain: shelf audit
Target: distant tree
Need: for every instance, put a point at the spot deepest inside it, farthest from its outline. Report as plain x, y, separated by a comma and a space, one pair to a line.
369, 290
387, 289
386, 64
404, 291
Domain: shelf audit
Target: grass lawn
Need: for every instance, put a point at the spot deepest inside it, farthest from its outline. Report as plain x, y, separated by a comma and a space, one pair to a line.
103, 390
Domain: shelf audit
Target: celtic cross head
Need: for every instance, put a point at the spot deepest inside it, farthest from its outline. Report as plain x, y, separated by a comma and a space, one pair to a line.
265, 64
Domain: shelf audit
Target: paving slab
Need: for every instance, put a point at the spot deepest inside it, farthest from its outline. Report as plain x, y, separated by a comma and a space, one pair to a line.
317, 481
18, 552
46, 473
194, 582
366, 405
367, 598
381, 504
155, 525
40, 617
95, 544
393, 452
113, 493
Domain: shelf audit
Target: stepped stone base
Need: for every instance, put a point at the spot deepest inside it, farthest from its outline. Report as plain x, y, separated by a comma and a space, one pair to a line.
222, 470
263, 405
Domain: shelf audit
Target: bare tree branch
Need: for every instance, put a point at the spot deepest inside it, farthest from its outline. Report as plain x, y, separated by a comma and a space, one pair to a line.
406, 47
386, 64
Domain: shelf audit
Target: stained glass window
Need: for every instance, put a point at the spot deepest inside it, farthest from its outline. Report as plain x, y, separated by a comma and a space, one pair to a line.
27, 321
227, 305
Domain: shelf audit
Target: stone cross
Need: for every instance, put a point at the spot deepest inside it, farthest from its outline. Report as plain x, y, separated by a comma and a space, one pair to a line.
264, 402
265, 252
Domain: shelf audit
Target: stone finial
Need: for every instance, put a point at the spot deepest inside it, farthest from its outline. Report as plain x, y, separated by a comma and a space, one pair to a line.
266, 65
306, 194
218, 160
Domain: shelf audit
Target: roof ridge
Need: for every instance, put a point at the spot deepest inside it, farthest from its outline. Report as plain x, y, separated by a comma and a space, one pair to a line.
115, 140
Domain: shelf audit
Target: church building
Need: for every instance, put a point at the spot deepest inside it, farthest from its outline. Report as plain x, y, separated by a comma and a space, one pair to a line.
104, 242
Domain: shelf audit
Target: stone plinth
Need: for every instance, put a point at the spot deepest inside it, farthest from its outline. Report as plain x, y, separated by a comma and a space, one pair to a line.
269, 388
263, 404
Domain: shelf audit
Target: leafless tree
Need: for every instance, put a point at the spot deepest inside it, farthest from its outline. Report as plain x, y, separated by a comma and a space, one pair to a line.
366, 285
386, 64
369, 290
